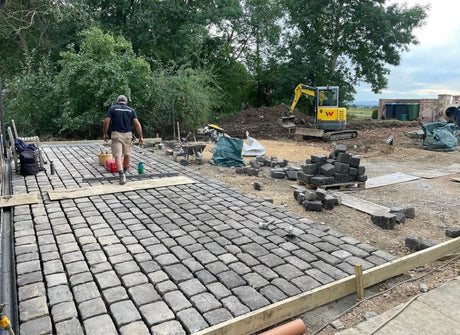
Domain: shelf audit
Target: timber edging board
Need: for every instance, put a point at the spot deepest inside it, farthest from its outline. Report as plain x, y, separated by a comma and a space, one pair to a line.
19, 199
304, 302
88, 191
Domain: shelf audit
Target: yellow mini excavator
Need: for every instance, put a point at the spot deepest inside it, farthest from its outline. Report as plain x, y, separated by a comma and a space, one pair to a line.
330, 119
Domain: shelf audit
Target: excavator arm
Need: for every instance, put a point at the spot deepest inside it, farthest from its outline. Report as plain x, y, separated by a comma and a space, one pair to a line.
299, 90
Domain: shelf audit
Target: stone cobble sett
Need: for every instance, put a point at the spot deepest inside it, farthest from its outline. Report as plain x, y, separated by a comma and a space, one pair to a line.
172, 260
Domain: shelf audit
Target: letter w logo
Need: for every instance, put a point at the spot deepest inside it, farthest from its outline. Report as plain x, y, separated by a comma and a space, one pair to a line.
329, 113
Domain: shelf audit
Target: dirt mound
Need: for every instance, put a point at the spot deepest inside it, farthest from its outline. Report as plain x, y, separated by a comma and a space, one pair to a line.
266, 123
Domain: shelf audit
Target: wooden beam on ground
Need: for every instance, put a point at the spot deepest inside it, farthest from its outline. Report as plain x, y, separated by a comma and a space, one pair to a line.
363, 205
389, 179
304, 302
88, 191
19, 199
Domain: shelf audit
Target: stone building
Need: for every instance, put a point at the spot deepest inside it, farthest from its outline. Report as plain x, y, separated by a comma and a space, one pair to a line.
430, 109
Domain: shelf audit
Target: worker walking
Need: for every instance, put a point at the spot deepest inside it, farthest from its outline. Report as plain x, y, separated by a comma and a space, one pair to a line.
123, 118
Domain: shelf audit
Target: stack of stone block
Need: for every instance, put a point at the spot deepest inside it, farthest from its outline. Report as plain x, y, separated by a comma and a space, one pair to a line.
316, 200
337, 168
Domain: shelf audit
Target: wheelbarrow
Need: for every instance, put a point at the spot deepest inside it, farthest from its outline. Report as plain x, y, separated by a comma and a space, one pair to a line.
191, 149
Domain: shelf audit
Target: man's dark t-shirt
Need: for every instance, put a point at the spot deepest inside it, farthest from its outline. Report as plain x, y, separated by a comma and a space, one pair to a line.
122, 117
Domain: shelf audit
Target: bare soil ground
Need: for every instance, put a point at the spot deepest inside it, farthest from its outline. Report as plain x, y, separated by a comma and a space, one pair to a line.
436, 201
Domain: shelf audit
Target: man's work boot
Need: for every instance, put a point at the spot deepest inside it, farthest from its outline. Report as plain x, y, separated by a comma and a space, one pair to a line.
122, 178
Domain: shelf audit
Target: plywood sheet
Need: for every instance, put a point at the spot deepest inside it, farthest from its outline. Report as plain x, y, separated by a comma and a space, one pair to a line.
430, 174
73, 193
362, 205
389, 179
19, 199
454, 168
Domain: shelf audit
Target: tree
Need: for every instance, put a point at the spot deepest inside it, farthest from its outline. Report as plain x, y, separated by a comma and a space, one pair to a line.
92, 77
342, 42
187, 96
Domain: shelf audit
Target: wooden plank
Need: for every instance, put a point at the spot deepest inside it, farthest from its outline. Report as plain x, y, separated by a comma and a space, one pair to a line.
294, 306
19, 199
389, 179
430, 174
73, 193
363, 205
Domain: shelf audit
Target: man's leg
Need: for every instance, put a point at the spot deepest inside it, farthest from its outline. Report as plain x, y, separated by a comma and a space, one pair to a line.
117, 148
126, 160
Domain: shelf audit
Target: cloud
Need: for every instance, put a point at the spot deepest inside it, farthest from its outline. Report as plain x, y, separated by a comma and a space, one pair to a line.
431, 67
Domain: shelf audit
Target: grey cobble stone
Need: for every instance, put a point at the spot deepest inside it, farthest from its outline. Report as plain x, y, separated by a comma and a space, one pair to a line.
231, 279
356, 260
355, 251
192, 287
168, 328
39, 326
234, 305
255, 280
59, 294
328, 269
69, 327
33, 308
86, 292
178, 272
192, 320
205, 302
144, 294
80, 278
134, 279
165, 287
217, 316
240, 268
305, 283
137, 328
285, 286
177, 301
31, 291
101, 324
272, 293
114, 294
288, 271
124, 312
91, 308
250, 297
157, 312
64, 311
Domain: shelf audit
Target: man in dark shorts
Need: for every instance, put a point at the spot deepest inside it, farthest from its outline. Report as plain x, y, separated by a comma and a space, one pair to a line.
123, 118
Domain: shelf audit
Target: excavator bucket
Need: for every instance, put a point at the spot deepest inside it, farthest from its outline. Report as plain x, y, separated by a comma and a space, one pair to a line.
288, 121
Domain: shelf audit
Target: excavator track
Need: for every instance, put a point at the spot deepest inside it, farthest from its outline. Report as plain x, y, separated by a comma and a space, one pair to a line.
340, 135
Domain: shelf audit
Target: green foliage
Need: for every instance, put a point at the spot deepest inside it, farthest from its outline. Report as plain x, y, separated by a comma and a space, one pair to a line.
375, 114
254, 53
186, 96
91, 79
29, 100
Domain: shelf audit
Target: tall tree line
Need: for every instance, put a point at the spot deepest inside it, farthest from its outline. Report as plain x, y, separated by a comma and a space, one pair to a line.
194, 61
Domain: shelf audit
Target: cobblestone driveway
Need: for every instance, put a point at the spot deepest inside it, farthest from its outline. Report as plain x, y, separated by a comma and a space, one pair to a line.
170, 260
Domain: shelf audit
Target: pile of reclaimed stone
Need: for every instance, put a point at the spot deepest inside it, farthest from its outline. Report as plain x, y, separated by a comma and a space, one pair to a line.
340, 167
316, 200
279, 168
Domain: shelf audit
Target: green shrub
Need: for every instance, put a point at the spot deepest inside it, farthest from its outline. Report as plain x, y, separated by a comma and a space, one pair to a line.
375, 114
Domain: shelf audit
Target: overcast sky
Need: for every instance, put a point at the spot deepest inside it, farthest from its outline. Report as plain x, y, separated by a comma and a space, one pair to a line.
433, 66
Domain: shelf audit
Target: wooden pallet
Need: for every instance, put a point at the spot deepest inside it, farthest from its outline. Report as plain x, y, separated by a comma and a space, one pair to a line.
340, 186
